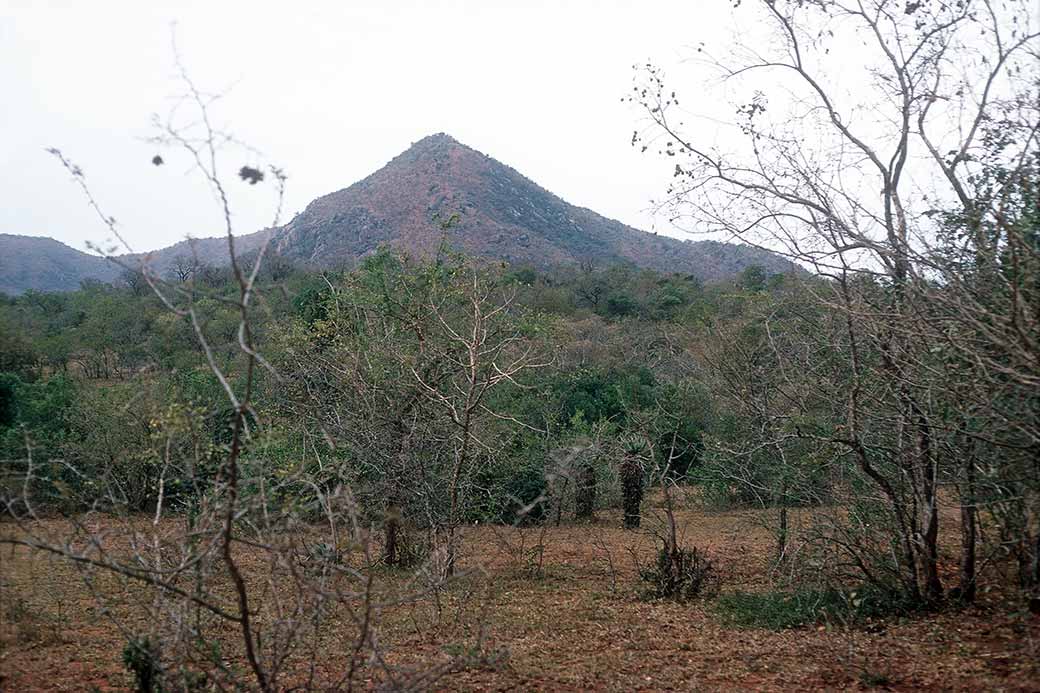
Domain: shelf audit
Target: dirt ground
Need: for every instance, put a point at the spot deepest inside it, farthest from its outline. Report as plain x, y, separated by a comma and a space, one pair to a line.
573, 621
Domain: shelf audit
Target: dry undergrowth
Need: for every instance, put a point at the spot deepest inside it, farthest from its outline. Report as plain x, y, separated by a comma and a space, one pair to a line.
557, 610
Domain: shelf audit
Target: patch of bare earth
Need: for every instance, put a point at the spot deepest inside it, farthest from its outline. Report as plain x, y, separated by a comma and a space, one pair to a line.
553, 610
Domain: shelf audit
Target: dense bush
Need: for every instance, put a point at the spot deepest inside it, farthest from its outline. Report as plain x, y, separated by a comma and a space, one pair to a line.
34, 416
514, 493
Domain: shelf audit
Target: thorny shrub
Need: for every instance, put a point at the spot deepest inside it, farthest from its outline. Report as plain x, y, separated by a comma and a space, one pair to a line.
681, 574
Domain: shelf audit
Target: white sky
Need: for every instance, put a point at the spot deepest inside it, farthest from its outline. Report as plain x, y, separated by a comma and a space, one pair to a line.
330, 91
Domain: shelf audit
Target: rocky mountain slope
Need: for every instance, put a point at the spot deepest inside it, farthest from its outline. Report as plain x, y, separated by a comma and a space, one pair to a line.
497, 213
494, 212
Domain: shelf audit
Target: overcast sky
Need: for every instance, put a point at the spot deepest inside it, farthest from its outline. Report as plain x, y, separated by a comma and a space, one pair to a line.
330, 91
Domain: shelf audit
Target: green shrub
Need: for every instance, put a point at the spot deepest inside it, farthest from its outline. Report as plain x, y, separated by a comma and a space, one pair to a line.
782, 610
513, 492
141, 658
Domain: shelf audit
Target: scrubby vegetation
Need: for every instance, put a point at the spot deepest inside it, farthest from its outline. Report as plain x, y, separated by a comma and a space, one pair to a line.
568, 413
599, 405
779, 610
271, 477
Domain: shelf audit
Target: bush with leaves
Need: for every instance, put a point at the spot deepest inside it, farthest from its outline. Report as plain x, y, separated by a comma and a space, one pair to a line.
141, 658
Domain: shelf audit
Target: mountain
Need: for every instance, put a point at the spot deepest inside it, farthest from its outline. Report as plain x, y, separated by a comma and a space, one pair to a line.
437, 188
212, 251
44, 264
497, 213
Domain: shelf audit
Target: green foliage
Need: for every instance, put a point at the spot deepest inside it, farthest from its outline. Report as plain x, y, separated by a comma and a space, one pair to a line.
116, 450
9, 383
310, 302
687, 414
753, 278
807, 606
34, 414
141, 658
591, 395
17, 354
402, 326
620, 305
526, 276
515, 493
349, 347
597, 395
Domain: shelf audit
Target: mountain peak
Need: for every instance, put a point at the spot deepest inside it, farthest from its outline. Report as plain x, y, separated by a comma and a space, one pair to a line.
437, 138
436, 141
496, 213
438, 146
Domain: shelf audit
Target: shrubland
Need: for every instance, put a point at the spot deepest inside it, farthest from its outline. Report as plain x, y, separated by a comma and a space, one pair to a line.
242, 463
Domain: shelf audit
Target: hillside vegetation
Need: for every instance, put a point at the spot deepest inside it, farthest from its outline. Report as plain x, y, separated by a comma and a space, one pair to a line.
611, 373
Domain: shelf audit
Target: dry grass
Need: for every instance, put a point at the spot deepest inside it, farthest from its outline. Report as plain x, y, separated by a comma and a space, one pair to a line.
556, 611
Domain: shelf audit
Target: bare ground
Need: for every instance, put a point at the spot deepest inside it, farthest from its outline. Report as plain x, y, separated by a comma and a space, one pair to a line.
572, 622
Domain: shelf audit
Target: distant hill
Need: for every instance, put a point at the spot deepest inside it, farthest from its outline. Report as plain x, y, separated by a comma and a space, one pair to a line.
44, 264
212, 251
494, 211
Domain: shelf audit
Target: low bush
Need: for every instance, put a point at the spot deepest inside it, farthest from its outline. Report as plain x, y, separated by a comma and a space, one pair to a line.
141, 658
781, 610
680, 574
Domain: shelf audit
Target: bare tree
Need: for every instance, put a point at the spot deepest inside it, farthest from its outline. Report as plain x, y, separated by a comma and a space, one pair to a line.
484, 349
134, 280
399, 371
224, 550
182, 268
850, 182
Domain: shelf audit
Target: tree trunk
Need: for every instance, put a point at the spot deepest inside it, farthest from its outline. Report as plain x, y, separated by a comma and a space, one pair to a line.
586, 495
1034, 595
781, 536
968, 533
632, 490
391, 528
